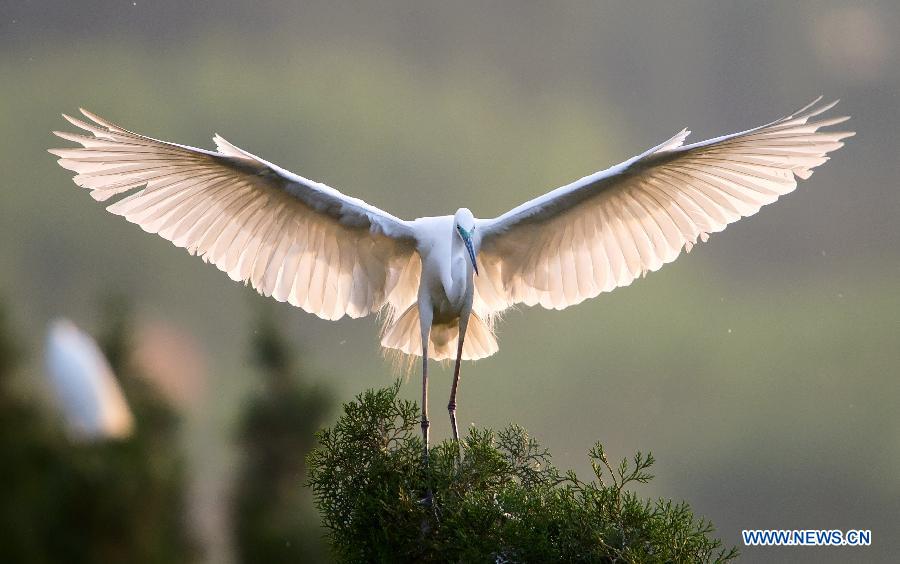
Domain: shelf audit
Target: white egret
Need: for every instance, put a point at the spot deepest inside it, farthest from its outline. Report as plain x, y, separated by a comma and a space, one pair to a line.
442, 280
88, 394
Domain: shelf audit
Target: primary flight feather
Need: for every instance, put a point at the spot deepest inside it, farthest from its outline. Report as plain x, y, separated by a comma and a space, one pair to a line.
442, 279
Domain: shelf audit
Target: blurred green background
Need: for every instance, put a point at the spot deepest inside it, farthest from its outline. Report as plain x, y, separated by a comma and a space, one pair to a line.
761, 370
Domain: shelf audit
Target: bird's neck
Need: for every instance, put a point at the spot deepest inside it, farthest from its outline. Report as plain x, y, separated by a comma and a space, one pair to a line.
457, 284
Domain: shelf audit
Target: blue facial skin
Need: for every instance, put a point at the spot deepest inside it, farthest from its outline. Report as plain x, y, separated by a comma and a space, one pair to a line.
467, 239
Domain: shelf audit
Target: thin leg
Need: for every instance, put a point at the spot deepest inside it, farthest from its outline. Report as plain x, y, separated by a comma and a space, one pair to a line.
451, 407
425, 423
426, 330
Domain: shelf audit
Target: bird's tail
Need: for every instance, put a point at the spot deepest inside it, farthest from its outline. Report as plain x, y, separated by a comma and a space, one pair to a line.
405, 336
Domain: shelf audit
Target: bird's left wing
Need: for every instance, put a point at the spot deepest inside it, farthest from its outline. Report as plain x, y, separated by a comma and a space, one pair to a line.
603, 231
290, 238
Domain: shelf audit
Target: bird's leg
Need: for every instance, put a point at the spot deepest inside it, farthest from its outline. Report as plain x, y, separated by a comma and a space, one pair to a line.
429, 495
425, 317
425, 423
451, 406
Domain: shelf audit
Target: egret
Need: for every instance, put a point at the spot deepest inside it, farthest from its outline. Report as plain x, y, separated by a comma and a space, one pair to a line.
87, 392
443, 280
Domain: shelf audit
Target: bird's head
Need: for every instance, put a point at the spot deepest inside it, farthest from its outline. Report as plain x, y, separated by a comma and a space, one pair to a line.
464, 225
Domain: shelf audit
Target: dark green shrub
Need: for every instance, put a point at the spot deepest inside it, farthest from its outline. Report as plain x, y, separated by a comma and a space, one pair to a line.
273, 515
500, 500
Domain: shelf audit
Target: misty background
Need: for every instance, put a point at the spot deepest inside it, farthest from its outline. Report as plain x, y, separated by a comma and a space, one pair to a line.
761, 369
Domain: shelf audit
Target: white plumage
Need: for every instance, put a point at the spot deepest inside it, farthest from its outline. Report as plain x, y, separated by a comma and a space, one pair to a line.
87, 393
605, 230
440, 278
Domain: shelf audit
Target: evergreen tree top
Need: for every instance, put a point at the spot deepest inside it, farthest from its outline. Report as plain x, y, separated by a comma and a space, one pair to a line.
499, 498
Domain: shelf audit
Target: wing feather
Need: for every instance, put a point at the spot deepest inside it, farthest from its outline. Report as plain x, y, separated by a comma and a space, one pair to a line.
605, 230
290, 238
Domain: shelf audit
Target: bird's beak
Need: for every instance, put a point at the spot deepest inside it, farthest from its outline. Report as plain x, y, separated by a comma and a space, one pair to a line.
468, 241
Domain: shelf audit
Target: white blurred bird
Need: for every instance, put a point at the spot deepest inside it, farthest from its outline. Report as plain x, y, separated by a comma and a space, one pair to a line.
87, 392
442, 280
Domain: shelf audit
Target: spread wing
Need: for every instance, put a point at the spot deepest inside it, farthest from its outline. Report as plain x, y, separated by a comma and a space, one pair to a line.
605, 230
291, 238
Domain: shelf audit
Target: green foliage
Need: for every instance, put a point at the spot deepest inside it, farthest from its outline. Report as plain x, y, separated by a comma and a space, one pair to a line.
499, 499
273, 517
110, 501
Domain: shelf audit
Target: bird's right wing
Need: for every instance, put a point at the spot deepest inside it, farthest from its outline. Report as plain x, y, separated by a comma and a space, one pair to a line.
290, 238
603, 231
